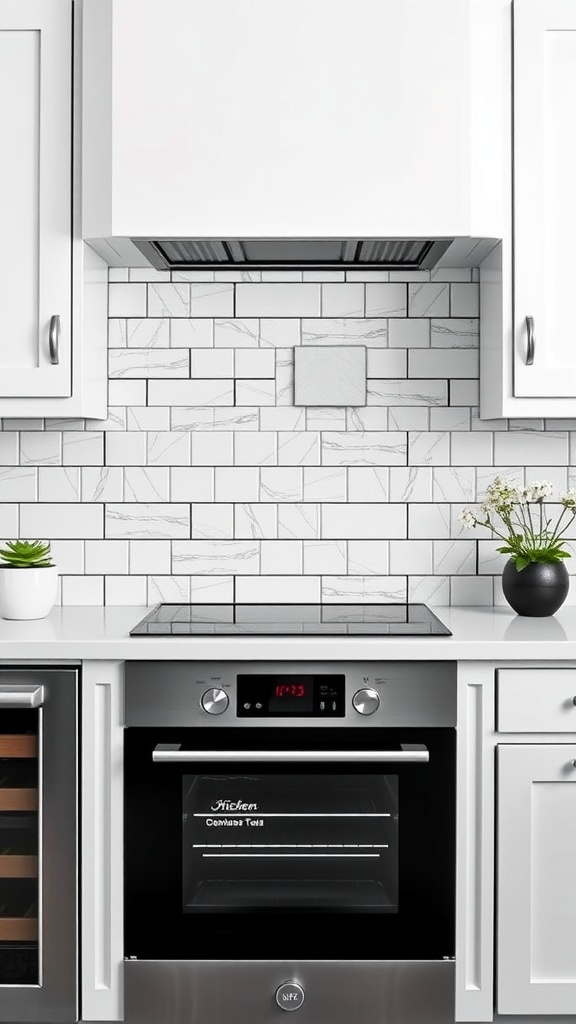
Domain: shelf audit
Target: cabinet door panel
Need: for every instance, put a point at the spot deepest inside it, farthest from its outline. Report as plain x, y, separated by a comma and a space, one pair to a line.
545, 199
536, 893
35, 183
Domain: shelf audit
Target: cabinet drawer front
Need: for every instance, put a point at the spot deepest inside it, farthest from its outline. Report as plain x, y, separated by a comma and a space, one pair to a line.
536, 700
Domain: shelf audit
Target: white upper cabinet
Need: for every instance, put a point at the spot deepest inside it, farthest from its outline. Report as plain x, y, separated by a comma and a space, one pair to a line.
291, 118
35, 184
544, 197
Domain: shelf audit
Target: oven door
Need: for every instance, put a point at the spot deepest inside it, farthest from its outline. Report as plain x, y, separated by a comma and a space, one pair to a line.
226, 847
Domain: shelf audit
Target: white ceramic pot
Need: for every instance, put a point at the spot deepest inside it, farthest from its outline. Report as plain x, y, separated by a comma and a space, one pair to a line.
28, 593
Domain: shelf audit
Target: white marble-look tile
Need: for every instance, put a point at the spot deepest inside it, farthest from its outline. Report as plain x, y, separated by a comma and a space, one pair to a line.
215, 557
148, 274
192, 333
281, 483
253, 363
429, 589
39, 448
454, 333
452, 483
255, 520
255, 392
363, 521
324, 276
150, 333
405, 274
438, 362
451, 274
18, 484
343, 300
238, 275
363, 589
141, 520
389, 300
407, 392
215, 449
169, 589
246, 418
126, 300
9, 448
472, 448
387, 362
428, 448
211, 589
118, 274
279, 332
148, 557
464, 300
298, 521
237, 333
9, 515
192, 483
411, 556
464, 392
367, 275
212, 521
68, 555
167, 300
454, 557
324, 484
345, 331
194, 418
471, 590
103, 557
148, 484
367, 418
449, 418
330, 375
283, 418
428, 299
276, 300
299, 448
56, 483
102, 483
410, 483
61, 521
324, 557
368, 484
237, 483
278, 590
200, 276
126, 449
117, 332
324, 418
368, 557
281, 275
516, 448
168, 448
212, 363
255, 448
191, 392
408, 333
284, 377
429, 521
121, 393
555, 475
15, 423
147, 362
125, 590
82, 448
83, 590
280, 557
374, 448
490, 561
140, 417
409, 417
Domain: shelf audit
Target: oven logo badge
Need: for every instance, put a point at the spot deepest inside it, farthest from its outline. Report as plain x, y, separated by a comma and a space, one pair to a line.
232, 805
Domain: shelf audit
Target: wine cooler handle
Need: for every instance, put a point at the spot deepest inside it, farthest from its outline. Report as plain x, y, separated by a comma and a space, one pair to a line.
21, 696
408, 753
530, 340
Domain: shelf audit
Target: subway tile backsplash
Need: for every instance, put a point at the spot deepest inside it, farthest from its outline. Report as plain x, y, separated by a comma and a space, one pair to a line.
207, 483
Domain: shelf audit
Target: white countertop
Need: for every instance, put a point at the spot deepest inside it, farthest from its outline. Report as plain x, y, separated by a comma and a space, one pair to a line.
88, 634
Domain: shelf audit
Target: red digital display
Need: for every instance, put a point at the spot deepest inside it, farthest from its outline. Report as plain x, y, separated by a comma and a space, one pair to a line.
290, 690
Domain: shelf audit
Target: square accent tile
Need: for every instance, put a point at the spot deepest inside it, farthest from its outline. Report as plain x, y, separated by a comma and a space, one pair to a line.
330, 375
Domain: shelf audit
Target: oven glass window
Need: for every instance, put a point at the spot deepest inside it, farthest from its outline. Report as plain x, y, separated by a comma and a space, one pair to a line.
270, 842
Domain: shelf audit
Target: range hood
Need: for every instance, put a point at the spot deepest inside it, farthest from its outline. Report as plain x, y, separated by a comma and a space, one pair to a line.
284, 253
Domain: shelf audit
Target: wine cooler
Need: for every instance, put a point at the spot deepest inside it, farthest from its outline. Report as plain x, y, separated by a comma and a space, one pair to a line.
38, 845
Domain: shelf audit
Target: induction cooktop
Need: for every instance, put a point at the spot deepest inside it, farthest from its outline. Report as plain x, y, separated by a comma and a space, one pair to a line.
291, 620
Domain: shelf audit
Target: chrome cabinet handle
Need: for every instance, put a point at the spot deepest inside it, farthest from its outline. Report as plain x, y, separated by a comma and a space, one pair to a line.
21, 696
171, 752
54, 339
530, 340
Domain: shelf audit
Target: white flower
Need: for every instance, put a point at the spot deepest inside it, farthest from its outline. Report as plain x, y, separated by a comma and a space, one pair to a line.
568, 499
538, 490
467, 518
501, 493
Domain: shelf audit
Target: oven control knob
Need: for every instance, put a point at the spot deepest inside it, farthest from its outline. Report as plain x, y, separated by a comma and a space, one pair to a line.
366, 701
215, 701
290, 995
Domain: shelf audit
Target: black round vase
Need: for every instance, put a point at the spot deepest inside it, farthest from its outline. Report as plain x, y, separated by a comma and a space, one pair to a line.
539, 589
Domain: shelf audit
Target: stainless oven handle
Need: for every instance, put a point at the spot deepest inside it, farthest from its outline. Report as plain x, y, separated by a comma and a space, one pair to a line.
21, 696
409, 752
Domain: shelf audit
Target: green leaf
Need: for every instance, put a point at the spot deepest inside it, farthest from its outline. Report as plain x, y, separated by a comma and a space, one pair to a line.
521, 562
25, 554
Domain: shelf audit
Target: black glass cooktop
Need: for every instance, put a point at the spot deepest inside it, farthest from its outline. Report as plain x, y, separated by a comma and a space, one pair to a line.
291, 620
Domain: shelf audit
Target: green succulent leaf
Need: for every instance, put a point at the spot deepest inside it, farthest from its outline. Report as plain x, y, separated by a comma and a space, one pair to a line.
26, 554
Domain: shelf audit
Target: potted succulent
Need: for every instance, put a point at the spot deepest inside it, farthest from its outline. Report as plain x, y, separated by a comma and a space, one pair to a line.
28, 580
535, 580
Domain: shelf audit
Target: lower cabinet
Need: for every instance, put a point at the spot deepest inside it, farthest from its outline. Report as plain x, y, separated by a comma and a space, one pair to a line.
536, 872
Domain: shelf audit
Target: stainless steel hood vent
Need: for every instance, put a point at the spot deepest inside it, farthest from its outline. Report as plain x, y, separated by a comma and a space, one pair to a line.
284, 253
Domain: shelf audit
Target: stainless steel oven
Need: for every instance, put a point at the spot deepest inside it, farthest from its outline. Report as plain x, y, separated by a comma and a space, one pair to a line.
289, 842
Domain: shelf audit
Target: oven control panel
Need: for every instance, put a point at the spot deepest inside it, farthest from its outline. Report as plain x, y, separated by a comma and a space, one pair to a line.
288, 694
